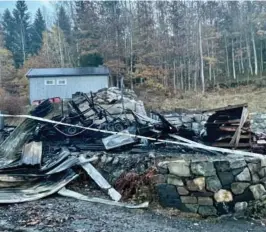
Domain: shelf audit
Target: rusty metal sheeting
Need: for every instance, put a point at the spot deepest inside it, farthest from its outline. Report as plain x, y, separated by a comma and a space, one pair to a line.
32, 153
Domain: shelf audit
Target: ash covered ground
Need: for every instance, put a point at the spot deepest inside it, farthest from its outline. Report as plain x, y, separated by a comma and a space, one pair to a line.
66, 214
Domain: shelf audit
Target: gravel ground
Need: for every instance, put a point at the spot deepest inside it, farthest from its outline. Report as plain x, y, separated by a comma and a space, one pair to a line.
66, 214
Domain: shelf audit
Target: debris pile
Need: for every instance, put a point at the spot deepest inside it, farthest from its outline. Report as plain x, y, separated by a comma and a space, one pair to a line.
44, 153
229, 127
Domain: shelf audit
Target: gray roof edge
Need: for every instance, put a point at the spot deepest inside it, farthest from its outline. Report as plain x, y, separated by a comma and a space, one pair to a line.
66, 75
28, 72
65, 72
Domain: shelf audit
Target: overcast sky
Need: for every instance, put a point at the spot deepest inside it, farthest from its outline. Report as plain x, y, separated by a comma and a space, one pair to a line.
32, 5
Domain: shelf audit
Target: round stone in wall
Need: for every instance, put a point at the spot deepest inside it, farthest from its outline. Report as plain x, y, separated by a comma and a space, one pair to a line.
223, 196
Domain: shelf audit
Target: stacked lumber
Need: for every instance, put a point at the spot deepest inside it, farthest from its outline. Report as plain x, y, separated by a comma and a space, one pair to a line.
229, 127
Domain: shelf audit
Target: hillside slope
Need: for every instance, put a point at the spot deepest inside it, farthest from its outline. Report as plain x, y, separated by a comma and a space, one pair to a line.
253, 95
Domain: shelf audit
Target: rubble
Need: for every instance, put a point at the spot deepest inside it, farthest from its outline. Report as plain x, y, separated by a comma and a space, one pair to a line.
51, 147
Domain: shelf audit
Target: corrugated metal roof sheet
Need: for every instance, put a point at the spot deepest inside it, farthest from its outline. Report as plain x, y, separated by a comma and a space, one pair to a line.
59, 72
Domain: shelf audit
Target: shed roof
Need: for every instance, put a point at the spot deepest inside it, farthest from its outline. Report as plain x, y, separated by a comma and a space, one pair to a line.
60, 72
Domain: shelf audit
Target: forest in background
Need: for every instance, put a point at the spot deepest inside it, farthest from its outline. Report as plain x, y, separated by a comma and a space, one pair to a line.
167, 46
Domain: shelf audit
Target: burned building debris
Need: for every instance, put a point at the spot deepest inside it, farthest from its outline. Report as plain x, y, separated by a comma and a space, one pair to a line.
48, 149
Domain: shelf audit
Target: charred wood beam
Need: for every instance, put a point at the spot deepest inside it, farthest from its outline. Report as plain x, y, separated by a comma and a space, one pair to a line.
10, 148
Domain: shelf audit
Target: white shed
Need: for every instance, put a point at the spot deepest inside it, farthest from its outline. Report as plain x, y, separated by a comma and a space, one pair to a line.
63, 82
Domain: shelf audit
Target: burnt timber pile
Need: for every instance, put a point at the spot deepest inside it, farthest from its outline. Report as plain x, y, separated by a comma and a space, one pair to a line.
47, 150
229, 127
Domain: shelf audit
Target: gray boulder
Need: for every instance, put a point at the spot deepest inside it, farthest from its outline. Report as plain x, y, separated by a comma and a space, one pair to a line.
203, 168
244, 175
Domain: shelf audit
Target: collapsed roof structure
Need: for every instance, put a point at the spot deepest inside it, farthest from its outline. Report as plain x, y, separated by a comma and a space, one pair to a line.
40, 156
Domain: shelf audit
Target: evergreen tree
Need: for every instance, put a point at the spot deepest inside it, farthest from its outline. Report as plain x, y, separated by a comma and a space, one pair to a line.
22, 27
87, 33
9, 33
37, 30
63, 22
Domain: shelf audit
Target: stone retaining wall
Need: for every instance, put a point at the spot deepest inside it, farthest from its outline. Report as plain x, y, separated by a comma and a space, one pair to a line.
207, 185
196, 122
258, 122
214, 187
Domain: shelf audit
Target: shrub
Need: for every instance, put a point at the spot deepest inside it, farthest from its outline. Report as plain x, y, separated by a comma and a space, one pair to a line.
12, 104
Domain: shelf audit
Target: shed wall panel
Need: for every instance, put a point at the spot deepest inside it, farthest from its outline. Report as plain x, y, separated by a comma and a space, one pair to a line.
39, 91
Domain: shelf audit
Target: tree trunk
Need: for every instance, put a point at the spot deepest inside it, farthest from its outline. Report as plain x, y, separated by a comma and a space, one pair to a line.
22, 43
1, 75
201, 60
195, 78
241, 56
188, 75
213, 54
233, 60
60, 49
255, 54
249, 58
174, 78
227, 59
181, 76
131, 47
210, 65
261, 58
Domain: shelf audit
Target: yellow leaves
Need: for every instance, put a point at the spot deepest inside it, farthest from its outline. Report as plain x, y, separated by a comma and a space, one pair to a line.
152, 84
6, 64
146, 71
210, 60
116, 66
5, 53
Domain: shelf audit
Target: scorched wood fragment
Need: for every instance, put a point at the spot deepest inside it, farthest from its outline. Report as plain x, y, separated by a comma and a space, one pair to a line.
10, 148
229, 127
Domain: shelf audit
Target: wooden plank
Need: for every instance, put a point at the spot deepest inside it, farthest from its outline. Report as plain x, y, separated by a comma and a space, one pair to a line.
223, 144
98, 178
261, 141
236, 137
220, 122
228, 128
229, 107
246, 136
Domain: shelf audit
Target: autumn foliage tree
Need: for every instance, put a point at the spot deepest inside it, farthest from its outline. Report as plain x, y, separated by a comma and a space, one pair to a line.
173, 46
